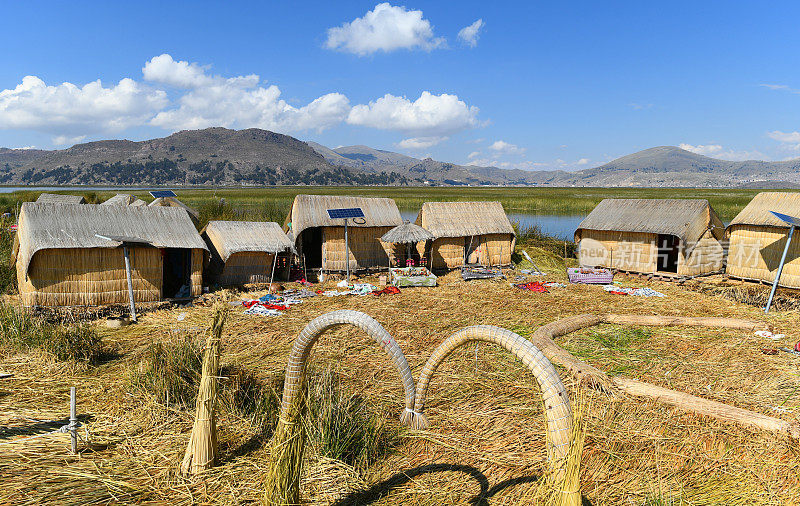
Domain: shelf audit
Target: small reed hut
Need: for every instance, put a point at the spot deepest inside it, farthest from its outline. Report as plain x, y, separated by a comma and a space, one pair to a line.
757, 240
70, 255
247, 252
467, 233
124, 199
405, 239
60, 198
174, 202
670, 236
319, 240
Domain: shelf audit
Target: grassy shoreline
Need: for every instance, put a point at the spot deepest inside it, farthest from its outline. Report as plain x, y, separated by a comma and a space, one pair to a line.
552, 201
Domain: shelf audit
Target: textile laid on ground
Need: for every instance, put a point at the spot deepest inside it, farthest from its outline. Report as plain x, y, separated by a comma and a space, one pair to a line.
769, 335
273, 305
553, 284
533, 286
389, 290
589, 276
468, 273
639, 292
356, 289
413, 276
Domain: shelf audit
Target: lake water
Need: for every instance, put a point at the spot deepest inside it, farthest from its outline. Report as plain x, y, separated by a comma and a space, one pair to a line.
562, 227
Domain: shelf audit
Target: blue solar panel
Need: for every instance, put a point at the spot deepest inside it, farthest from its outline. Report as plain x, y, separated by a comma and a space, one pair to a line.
162, 193
343, 214
791, 220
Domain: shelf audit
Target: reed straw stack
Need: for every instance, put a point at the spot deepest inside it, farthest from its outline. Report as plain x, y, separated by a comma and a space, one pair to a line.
202, 449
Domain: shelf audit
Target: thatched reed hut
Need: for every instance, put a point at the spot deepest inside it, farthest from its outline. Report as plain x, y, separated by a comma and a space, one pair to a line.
757, 239
246, 252
124, 199
59, 198
671, 236
63, 256
405, 239
467, 233
174, 202
319, 240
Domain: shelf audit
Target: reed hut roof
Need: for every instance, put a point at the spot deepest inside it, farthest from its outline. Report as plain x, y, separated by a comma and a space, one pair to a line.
464, 219
687, 219
61, 198
757, 212
174, 202
407, 233
229, 237
124, 199
311, 211
61, 226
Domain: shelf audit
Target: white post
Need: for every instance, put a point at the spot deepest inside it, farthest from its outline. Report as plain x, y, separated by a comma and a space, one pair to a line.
130, 281
73, 420
272, 276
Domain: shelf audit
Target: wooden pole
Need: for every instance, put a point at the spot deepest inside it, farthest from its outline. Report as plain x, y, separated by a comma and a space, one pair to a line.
126, 253
346, 253
272, 276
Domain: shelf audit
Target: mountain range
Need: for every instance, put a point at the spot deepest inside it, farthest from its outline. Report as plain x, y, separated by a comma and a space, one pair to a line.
254, 157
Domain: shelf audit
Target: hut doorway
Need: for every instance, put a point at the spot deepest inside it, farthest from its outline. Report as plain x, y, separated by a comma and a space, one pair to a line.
311, 247
471, 253
177, 271
667, 253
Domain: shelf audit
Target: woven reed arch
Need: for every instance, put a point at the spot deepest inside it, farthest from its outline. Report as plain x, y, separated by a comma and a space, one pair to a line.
298, 358
283, 479
558, 411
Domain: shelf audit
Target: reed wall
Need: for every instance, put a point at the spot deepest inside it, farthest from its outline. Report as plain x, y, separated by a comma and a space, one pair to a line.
366, 248
447, 253
755, 252
629, 251
706, 256
252, 267
90, 277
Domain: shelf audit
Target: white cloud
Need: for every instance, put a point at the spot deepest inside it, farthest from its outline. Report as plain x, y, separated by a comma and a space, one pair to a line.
384, 28
417, 143
68, 110
181, 74
237, 102
506, 148
582, 161
474, 154
790, 140
781, 87
719, 152
639, 106
703, 149
469, 34
61, 140
429, 115
24, 148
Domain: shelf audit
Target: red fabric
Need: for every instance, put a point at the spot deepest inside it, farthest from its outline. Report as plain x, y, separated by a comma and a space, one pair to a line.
797, 346
250, 303
389, 290
617, 292
533, 286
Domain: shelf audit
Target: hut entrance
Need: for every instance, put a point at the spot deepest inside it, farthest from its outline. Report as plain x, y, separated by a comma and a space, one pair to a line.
667, 253
311, 247
177, 282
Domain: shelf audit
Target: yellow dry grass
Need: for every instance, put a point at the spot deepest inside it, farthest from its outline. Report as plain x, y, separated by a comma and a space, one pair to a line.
486, 442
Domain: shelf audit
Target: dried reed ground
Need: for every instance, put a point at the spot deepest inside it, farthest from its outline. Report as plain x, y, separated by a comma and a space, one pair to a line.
486, 442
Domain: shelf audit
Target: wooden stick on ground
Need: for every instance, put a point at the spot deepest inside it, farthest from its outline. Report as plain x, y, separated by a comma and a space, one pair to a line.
202, 449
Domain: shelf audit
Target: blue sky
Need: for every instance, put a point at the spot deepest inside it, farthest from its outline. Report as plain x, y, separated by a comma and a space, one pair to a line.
531, 85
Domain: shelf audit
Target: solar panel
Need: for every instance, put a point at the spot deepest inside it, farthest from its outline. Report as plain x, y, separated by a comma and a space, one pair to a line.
156, 194
343, 214
791, 220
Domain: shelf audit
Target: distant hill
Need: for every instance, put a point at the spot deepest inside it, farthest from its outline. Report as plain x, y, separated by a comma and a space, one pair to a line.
672, 166
254, 157
213, 156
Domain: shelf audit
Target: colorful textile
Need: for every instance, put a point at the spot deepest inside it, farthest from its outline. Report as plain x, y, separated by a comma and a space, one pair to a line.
533, 286
639, 292
260, 310
389, 290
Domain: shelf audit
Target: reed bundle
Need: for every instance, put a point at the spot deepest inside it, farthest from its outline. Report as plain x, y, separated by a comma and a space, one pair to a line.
201, 452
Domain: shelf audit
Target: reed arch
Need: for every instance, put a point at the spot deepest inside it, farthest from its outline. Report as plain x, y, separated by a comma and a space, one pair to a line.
558, 411
283, 480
